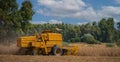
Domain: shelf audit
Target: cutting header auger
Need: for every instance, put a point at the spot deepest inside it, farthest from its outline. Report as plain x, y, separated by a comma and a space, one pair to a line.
46, 43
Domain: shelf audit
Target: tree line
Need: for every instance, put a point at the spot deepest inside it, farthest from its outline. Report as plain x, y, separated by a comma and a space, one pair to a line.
103, 31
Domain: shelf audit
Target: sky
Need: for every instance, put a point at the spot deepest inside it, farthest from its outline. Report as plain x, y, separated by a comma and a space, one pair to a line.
73, 11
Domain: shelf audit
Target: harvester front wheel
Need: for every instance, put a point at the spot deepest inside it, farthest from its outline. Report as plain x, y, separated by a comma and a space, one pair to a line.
22, 51
57, 51
34, 52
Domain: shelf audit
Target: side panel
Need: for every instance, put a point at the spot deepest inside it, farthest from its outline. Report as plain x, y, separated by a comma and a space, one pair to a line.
38, 44
25, 41
52, 43
54, 39
54, 36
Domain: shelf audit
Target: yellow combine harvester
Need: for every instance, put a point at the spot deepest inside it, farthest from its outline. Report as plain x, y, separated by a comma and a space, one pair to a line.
47, 43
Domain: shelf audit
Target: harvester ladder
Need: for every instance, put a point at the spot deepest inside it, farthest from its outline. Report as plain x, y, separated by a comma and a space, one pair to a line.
44, 45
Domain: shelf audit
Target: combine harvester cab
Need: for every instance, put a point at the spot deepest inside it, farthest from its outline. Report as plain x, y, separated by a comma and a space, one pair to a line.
46, 43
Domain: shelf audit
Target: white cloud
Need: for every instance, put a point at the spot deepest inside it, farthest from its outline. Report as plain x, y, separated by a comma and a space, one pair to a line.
109, 11
117, 1
55, 22
76, 9
82, 23
88, 14
61, 8
38, 22
44, 22
62, 4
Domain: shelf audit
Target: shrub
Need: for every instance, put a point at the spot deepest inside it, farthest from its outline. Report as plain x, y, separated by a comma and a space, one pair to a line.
76, 39
98, 42
110, 45
88, 38
65, 43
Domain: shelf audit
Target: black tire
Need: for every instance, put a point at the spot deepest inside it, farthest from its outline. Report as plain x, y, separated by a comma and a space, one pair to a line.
35, 52
22, 51
29, 52
57, 51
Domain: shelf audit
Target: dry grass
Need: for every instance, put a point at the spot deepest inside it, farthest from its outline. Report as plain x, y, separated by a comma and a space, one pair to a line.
14, 58
87, 53
97, 50
84, 50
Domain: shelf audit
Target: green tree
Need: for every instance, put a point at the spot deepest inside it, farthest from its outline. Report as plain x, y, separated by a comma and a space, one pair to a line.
14, 21
107, 30
26, 13
118, 32
95, 30
7, 9
110, 30
103, 27
118, 25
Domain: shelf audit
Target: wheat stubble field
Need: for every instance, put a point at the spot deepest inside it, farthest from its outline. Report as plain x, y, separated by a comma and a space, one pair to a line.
87, 53
16, 58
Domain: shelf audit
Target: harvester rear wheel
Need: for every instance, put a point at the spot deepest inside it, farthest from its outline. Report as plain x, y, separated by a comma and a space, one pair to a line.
57, 51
